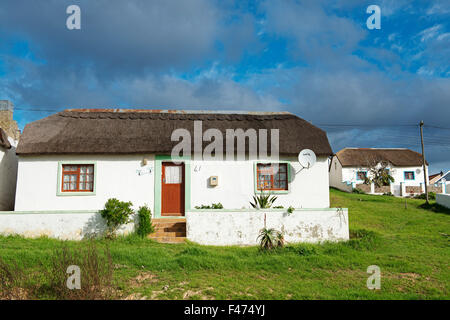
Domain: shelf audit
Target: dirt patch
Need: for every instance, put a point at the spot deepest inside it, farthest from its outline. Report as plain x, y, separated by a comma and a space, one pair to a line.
136, 296
15, 294
143, 278
190, 293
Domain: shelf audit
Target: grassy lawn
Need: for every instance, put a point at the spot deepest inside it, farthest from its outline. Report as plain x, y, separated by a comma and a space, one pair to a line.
411, 246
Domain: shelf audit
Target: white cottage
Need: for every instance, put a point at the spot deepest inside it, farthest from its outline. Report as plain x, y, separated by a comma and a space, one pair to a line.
350, 166
79, 158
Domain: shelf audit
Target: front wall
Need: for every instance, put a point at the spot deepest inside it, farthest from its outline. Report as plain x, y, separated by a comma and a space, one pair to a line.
116, 177
443, 200
59, 225
308, 187
218, 227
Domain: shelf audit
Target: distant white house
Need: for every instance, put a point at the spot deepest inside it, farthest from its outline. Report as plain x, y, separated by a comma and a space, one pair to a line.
8, 171
443, 179
350, 166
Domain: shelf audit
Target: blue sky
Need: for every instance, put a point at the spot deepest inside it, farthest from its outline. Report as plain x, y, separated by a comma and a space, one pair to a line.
317, 59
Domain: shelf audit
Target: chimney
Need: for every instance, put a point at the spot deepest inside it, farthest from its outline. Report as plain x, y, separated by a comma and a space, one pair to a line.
7, 122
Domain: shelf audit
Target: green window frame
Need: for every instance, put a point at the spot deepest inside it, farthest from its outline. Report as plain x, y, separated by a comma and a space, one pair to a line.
255, 177
59, 191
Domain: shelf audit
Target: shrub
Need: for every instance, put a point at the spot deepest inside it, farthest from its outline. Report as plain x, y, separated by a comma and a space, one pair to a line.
116, 213
358, 191
270, 239
362, 239
11, 277
263, 201
278, 207
290, 209
213, 206
96, 273
431, 196
145, 226
302, 249
388, 194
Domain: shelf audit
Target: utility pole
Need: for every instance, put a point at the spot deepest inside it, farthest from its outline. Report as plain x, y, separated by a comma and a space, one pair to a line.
424, 163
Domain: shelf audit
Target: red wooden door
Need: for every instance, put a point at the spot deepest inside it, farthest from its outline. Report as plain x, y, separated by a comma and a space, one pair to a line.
172, 189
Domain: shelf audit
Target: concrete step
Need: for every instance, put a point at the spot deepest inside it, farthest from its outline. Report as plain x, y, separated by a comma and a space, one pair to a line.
169, 239
168, 220
168, 234
170, 229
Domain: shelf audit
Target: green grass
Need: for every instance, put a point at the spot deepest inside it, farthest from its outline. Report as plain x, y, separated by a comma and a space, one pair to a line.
411, 246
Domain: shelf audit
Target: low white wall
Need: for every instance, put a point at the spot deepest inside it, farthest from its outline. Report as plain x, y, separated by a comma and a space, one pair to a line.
60, 225
241, 227
443, 199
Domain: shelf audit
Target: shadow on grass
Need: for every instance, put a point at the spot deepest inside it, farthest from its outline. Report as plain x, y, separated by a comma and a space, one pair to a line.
434, 207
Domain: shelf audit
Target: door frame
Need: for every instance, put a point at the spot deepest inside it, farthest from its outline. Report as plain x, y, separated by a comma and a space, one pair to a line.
159, 159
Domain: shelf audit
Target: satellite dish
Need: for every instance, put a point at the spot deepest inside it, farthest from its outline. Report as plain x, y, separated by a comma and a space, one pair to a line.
418, 171
307, 158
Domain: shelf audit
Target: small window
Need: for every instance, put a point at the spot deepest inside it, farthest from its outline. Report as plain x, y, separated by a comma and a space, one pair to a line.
272, 176
77, 178
362, 175
409, 175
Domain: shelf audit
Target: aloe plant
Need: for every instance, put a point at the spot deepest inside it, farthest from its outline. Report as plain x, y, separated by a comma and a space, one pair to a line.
263, 201
267, 238
270, 239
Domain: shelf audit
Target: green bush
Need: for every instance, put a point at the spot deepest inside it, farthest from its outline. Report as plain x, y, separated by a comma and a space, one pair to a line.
213, 206
358, 191
431, 196
145, 226
116, 213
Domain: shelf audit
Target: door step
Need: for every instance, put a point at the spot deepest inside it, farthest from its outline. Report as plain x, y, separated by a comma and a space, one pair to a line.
169, 230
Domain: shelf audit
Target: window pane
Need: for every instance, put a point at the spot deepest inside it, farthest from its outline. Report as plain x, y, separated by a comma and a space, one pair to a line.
173, 174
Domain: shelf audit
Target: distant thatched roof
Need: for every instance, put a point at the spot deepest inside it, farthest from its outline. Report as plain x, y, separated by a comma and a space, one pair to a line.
4, 143
94, 131
359, 157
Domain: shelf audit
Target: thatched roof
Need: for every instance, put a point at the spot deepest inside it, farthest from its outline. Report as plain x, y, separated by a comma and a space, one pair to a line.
4, 143
359, 157
109, 131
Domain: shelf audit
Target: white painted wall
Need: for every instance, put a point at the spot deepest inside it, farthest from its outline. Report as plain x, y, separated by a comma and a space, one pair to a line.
308, 188
443, 199
8, 176
217, 227
59, 225
117, 177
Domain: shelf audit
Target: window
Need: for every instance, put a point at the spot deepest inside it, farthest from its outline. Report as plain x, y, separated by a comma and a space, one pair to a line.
361, 175
409, 175
77, 178
272, 176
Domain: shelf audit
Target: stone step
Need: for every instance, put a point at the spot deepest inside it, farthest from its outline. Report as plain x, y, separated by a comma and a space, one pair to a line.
168, 220
168, 234
169, 239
